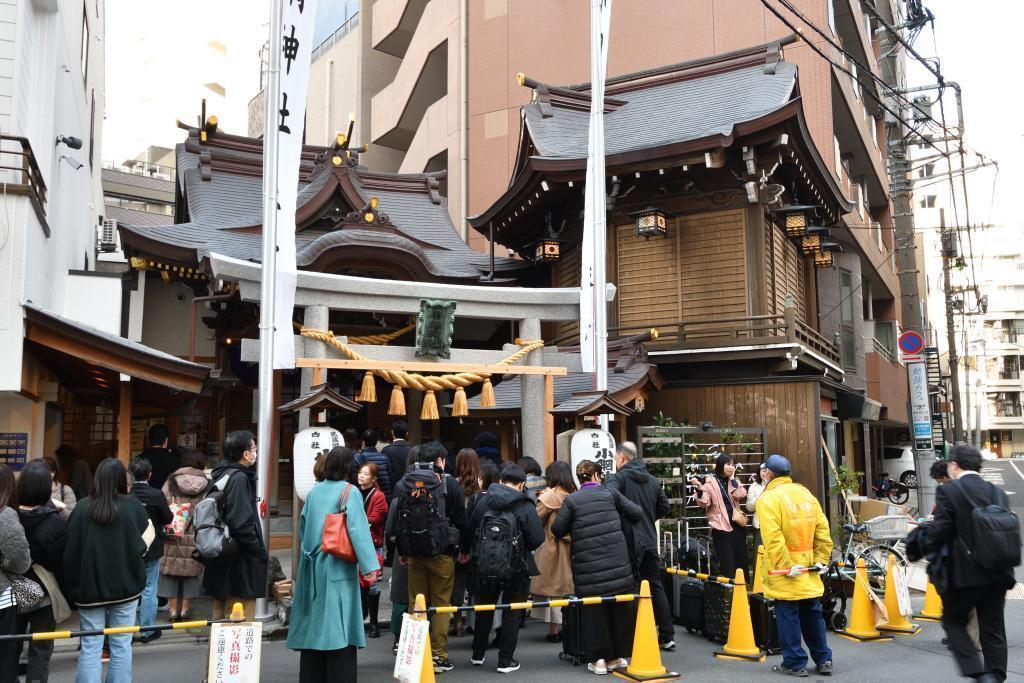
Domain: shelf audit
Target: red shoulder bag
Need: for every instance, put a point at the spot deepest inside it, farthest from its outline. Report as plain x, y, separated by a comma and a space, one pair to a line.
335, 539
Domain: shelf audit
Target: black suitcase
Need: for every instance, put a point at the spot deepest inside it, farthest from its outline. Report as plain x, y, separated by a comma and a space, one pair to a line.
717, 608
572, 635
766, 631
690, 600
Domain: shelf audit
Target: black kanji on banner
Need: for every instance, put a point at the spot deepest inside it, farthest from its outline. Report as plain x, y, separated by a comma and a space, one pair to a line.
290, 47
302, 5
283, 127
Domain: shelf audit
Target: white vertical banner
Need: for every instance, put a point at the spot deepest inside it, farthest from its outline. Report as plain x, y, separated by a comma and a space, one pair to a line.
592, 254
297, 18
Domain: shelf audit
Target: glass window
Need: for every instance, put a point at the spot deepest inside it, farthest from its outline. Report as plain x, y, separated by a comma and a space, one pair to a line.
846, 295
831, 16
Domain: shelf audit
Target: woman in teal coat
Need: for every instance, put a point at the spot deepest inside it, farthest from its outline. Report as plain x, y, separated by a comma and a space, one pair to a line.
327, 619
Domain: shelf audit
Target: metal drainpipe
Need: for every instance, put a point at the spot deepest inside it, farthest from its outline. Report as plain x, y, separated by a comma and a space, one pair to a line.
192, 319
464, 119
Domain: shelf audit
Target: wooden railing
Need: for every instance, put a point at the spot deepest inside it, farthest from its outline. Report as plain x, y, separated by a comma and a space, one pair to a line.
754, 330
20, 174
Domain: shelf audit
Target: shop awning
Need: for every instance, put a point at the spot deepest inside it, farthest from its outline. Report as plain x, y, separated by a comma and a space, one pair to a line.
84, 343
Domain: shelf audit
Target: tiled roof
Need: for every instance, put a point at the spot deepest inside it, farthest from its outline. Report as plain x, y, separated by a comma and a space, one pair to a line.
665, 113
221, 181
134, 217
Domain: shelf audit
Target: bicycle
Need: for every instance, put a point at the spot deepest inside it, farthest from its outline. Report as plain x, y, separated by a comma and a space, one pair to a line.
885, 487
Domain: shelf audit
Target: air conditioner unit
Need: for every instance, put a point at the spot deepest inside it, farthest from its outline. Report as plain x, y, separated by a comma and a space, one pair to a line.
108, 238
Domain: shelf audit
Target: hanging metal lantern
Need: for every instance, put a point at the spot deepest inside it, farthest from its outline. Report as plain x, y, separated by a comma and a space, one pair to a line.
811, 242
823, 259
794, 218
549, 250
651, 222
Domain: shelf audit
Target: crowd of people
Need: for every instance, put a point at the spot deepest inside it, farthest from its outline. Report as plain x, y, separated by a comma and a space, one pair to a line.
481, 531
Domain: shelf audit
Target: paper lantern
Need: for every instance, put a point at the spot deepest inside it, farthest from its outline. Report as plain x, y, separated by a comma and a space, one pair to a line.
596, 445
309, 443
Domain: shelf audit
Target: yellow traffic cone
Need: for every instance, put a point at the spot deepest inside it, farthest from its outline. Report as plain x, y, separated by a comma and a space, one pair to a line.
932, 605
237, 612
862, 616
896, 621
740, 644
645, 666
427, 669
758, 584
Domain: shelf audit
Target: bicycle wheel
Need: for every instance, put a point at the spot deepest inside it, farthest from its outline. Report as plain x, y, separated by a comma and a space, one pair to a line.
899, 493
876, 561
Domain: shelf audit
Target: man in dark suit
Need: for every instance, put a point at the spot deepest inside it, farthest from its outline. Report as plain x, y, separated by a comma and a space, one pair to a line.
397, 453
968, 585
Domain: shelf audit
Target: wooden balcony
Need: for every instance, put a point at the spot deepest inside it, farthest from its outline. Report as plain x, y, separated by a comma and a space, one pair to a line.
749, 331
21, 175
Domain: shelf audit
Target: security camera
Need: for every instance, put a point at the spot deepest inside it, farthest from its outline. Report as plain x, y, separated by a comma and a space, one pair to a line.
71, 161
70, 141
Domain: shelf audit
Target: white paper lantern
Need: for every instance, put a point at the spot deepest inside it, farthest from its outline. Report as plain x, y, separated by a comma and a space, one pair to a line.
309, 443
596, 445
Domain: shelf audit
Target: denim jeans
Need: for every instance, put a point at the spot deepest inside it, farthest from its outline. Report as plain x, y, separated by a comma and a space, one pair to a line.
147, 602
90, 669
796, 617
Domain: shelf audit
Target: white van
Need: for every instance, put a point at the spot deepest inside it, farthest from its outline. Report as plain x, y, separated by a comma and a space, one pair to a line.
898, 461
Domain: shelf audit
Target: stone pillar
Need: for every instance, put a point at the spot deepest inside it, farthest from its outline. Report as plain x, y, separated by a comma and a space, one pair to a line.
314, 317
532, 396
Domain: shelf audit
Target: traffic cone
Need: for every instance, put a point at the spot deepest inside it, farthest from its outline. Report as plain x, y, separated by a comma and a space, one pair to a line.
740, 645
427, 669
896, 621
758, 584
862, 616
645, 666
932, 605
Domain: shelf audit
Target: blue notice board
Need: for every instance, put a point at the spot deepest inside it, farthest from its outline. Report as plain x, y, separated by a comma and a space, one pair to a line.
14, 449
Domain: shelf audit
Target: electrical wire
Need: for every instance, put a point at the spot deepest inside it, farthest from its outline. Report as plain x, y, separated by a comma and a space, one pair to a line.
874, 268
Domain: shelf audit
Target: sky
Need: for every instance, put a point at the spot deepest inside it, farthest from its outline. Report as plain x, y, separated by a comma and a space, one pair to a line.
978, 43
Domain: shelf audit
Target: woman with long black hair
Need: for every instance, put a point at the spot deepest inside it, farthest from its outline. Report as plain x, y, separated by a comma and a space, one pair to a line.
104, 570
14, 559
722, 494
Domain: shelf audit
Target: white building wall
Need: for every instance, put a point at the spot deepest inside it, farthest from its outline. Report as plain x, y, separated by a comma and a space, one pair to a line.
48, 95
166, 323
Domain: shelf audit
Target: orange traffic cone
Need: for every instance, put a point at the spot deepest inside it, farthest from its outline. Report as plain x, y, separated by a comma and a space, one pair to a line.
932, 605
896, 621
645, 665
740, 644
862, 616
758, 584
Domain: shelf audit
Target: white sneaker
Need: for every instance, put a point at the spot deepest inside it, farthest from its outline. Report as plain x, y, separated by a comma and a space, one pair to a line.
598, 667
619, 663
476, 662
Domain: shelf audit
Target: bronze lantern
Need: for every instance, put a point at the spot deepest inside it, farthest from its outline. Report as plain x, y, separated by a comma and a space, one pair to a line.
651, 222
548, 250
794, 218
811, 242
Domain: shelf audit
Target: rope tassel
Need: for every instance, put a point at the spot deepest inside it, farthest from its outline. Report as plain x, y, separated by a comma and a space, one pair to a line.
429, 411
397, 405
368, 393
487, 395
460, 407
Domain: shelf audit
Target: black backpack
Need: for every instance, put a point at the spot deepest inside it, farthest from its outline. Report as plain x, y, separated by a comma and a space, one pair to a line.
421, 527
996, 532
499, 543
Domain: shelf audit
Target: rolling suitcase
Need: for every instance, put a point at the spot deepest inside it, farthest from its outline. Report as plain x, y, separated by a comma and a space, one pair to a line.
766, 631
690, 598
717, 606
572, 635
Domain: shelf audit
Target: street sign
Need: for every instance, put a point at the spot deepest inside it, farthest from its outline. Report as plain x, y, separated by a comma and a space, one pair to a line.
920, 412
911, 343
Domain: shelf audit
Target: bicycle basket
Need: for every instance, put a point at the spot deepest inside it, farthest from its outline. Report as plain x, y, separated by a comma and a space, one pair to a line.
887, 527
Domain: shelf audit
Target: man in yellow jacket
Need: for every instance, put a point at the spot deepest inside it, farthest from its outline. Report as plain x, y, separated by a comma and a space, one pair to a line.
796, 538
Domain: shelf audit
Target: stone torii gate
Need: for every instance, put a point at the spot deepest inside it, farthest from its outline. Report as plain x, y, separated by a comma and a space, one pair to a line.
319, 293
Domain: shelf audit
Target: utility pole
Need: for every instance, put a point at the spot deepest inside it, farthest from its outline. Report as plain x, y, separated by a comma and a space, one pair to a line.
910, 299
948, 249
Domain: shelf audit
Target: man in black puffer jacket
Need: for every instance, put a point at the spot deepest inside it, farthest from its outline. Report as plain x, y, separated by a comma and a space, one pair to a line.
601, 564
634, 482
507, 501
